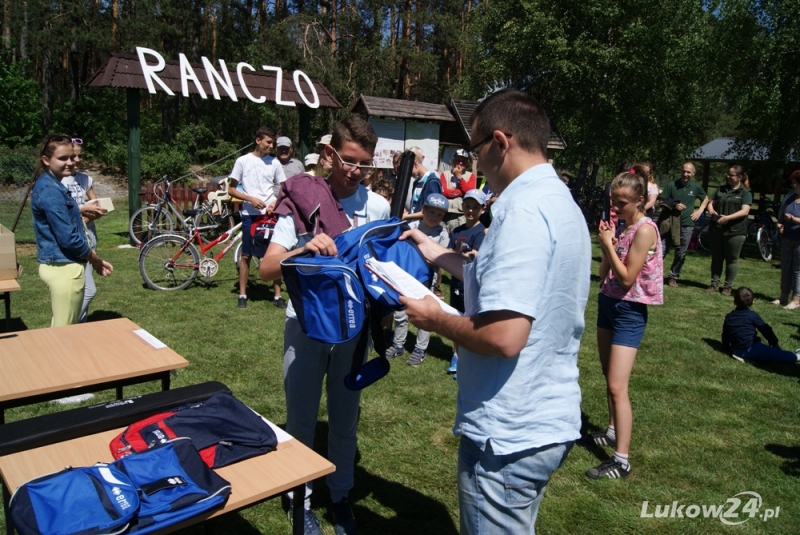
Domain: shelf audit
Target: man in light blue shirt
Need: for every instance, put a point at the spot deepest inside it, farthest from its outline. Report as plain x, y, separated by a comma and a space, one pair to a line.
525, 296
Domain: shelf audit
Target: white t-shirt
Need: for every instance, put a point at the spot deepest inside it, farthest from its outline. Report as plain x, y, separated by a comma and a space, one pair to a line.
259, 177
361, 208
77, 186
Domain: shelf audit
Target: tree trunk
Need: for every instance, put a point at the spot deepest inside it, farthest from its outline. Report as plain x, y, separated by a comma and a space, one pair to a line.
114, 25
334, 8
23, 38
262, 15
6, 25
74, 72
47, 95
403, 90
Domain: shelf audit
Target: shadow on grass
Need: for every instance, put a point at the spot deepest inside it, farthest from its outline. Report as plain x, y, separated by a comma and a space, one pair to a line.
587, 428
690, 283
791, 467
413, 512
716, 345
789, 369
228, 523
102, 315
15, 324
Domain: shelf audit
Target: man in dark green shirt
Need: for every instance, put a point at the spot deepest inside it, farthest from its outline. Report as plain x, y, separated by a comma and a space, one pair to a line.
686, 191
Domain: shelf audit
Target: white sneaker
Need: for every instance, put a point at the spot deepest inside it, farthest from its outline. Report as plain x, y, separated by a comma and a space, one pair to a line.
740, 359
74, 399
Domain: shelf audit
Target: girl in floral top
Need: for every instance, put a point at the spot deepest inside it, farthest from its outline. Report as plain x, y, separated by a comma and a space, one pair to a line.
631, 271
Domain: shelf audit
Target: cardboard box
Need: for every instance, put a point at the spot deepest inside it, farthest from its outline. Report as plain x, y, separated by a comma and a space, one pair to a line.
105, 203
8, 254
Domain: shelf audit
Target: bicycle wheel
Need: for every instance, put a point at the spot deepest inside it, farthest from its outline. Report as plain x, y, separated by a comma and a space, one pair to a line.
167, 262
139, 224
704, 238
764, 242
237, 257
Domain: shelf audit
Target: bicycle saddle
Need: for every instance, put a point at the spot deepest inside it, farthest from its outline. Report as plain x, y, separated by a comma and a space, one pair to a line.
199, 191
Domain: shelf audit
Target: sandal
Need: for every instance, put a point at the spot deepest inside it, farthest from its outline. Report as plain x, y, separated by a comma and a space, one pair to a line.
792, 306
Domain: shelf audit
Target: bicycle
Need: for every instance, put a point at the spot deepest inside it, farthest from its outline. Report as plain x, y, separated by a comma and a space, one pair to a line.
162, 216
700, 234
765, 230
172, 262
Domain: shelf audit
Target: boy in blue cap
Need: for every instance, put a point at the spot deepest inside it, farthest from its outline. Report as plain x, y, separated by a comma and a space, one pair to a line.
466, 240
433, 210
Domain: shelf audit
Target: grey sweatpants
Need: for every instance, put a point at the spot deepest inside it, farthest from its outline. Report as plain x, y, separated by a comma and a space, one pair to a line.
306, 363
401, 332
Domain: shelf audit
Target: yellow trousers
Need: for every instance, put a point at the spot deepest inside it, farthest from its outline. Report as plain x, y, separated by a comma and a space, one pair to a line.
66, 284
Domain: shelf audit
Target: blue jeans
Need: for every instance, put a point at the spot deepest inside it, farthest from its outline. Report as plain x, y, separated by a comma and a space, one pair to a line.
760, 352
500, 494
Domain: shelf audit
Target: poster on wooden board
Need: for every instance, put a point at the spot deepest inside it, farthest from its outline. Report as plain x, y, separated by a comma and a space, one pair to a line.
426, 137
391, 139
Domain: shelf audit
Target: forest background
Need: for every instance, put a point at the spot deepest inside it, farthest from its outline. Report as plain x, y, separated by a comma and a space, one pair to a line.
622, 79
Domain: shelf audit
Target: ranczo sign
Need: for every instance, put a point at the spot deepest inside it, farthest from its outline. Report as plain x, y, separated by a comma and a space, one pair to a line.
220, 80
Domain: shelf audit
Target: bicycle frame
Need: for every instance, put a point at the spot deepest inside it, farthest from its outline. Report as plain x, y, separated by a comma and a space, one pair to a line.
171, 206
195, 235
221, 239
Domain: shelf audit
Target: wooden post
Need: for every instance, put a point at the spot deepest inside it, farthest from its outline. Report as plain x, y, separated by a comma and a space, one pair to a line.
305, 132
706, 174
134, 157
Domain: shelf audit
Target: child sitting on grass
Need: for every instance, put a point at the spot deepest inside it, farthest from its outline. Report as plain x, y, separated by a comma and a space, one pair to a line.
739, 336
433, 211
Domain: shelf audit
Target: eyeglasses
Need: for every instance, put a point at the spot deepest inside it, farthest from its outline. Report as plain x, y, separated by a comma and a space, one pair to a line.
350, 166
474, 148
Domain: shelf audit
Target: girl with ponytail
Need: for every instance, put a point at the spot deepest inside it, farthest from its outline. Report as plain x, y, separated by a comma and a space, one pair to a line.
632, 273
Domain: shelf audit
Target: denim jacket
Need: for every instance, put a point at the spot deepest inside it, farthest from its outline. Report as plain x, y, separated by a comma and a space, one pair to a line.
57, 223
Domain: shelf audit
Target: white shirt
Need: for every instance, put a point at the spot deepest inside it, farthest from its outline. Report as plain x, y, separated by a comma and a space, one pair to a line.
260, 178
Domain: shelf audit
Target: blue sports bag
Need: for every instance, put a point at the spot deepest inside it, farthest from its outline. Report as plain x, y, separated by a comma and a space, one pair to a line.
327, 297
94, 499
379, 240
141, 493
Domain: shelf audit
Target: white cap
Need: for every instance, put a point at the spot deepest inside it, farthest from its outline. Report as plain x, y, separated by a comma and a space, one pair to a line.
324, 140
311, 159
283, 141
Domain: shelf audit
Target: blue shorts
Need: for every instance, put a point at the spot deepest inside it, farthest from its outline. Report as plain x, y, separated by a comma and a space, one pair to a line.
250, 246
625, 319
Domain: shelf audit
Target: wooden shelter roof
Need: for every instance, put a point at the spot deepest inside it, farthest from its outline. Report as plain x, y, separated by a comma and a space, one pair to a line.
462, 110
401, 109
124, 70
723, 149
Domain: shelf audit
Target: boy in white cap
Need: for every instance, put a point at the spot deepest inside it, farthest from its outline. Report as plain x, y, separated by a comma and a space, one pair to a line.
291, 166
310, 162
433, 211
466, 239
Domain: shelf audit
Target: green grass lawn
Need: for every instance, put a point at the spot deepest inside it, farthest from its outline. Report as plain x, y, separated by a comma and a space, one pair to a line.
706, 427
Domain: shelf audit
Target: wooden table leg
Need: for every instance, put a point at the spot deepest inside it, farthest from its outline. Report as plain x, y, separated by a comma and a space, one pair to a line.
298, 506
7, 299
7, 510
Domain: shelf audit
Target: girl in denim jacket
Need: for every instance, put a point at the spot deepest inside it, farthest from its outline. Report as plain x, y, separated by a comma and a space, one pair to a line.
62, 247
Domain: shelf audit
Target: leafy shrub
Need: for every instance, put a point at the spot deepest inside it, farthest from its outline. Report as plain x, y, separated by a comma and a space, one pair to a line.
165, 160
16, 167
20, 106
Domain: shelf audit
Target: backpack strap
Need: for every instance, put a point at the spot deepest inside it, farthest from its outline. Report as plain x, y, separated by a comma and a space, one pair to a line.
364, 374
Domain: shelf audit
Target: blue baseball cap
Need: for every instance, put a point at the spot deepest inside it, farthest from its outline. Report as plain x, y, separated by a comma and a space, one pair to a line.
437, 200
476, 194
